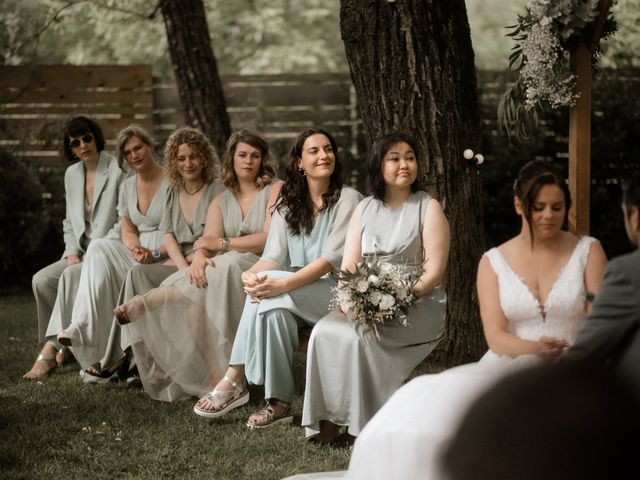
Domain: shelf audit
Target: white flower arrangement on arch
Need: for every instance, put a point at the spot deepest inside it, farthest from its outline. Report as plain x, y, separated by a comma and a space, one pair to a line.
543, 36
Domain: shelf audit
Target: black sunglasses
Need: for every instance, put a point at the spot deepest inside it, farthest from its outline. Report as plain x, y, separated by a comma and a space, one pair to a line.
75, 143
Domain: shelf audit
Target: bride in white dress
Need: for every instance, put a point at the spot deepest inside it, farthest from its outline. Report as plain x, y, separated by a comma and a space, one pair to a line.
533, 295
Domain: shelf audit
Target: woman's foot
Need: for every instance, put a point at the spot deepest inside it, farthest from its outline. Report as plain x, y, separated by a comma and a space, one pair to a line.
275, 412
45, 364
64, 356
328, 432
129, 311
227, 395
65, 337
96, 374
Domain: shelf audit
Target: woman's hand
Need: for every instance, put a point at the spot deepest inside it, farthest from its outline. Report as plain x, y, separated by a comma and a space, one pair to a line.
142, 255
551, 348
196, 270
73, 260
265, 287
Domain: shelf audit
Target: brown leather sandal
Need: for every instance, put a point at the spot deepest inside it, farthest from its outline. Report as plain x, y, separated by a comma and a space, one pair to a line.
268, 417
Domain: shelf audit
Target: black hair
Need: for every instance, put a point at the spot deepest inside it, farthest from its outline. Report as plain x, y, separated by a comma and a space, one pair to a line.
76, 127
631, 192
376, 158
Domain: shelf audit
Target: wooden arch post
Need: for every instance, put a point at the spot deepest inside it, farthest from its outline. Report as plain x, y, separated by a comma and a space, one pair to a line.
580, 124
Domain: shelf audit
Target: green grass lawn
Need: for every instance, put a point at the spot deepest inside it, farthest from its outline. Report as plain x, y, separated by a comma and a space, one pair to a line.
61, 428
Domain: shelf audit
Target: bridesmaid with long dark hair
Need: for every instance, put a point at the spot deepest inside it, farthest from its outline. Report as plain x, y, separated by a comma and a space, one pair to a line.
290, 285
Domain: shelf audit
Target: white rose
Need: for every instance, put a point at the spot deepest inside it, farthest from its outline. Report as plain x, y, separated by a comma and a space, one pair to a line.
362, 286
373, 279
386, 267
387, 302
375, 297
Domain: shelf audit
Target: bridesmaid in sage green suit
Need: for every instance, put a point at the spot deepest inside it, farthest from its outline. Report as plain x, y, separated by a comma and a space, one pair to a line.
91, 186
290, 285
182, 332
141, 206
192, 167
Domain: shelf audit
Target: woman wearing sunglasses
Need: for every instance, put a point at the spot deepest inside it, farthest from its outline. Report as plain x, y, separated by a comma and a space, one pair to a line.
108, 260
91, 186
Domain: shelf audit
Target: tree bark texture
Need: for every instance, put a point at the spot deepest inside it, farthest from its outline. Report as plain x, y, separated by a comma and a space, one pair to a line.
412, 65
196, 70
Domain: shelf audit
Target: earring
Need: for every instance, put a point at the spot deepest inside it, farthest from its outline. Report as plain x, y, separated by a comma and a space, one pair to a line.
302, 171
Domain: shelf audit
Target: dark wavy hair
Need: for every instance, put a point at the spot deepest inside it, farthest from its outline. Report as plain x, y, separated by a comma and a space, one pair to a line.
127, 134
76, 127
631, 192
531, 178
294, 200
267, 171
200, 145
376, 157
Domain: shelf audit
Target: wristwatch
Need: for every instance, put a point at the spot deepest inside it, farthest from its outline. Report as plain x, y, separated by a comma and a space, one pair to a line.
224, 241
156, 255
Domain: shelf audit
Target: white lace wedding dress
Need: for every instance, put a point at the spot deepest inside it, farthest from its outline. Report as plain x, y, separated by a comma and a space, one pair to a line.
405, 438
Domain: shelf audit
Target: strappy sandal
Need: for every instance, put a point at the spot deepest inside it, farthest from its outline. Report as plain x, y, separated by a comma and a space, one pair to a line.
267, 416
96, 374
50, 357
223, 400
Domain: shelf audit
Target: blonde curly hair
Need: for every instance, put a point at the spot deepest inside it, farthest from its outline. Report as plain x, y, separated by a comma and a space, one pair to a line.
267, 171
200, 145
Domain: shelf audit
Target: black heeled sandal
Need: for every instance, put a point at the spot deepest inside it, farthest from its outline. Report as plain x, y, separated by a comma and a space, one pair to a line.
104, 375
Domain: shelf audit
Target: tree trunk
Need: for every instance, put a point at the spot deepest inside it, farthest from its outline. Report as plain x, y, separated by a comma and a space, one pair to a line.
196, 70
412, 67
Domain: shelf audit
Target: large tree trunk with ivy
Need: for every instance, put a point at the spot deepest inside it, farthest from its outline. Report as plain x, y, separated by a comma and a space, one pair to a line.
195, 69
412, 66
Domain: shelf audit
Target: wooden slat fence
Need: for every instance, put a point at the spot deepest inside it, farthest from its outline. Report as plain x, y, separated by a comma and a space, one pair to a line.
34, 101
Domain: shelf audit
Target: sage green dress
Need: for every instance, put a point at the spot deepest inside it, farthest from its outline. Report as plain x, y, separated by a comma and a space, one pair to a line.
351, 375
268, 333
182, 340
142, 278
106, 265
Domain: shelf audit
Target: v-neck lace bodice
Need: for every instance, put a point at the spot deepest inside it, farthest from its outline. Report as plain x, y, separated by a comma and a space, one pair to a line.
564, 307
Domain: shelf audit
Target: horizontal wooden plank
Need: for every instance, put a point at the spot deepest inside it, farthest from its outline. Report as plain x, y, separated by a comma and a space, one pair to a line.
268, 96
110, 126
84, 97
73, 76
24, 110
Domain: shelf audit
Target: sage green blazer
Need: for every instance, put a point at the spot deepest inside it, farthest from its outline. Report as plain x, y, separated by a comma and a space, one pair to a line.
104, 216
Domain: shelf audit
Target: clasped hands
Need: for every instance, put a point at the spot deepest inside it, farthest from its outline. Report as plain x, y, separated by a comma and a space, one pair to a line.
551, 348
259, 287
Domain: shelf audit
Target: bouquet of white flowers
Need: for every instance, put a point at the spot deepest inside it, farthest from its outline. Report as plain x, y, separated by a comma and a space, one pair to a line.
377, 292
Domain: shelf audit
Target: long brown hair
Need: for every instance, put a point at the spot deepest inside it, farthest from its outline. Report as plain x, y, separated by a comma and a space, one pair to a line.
267, 171
295, 200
